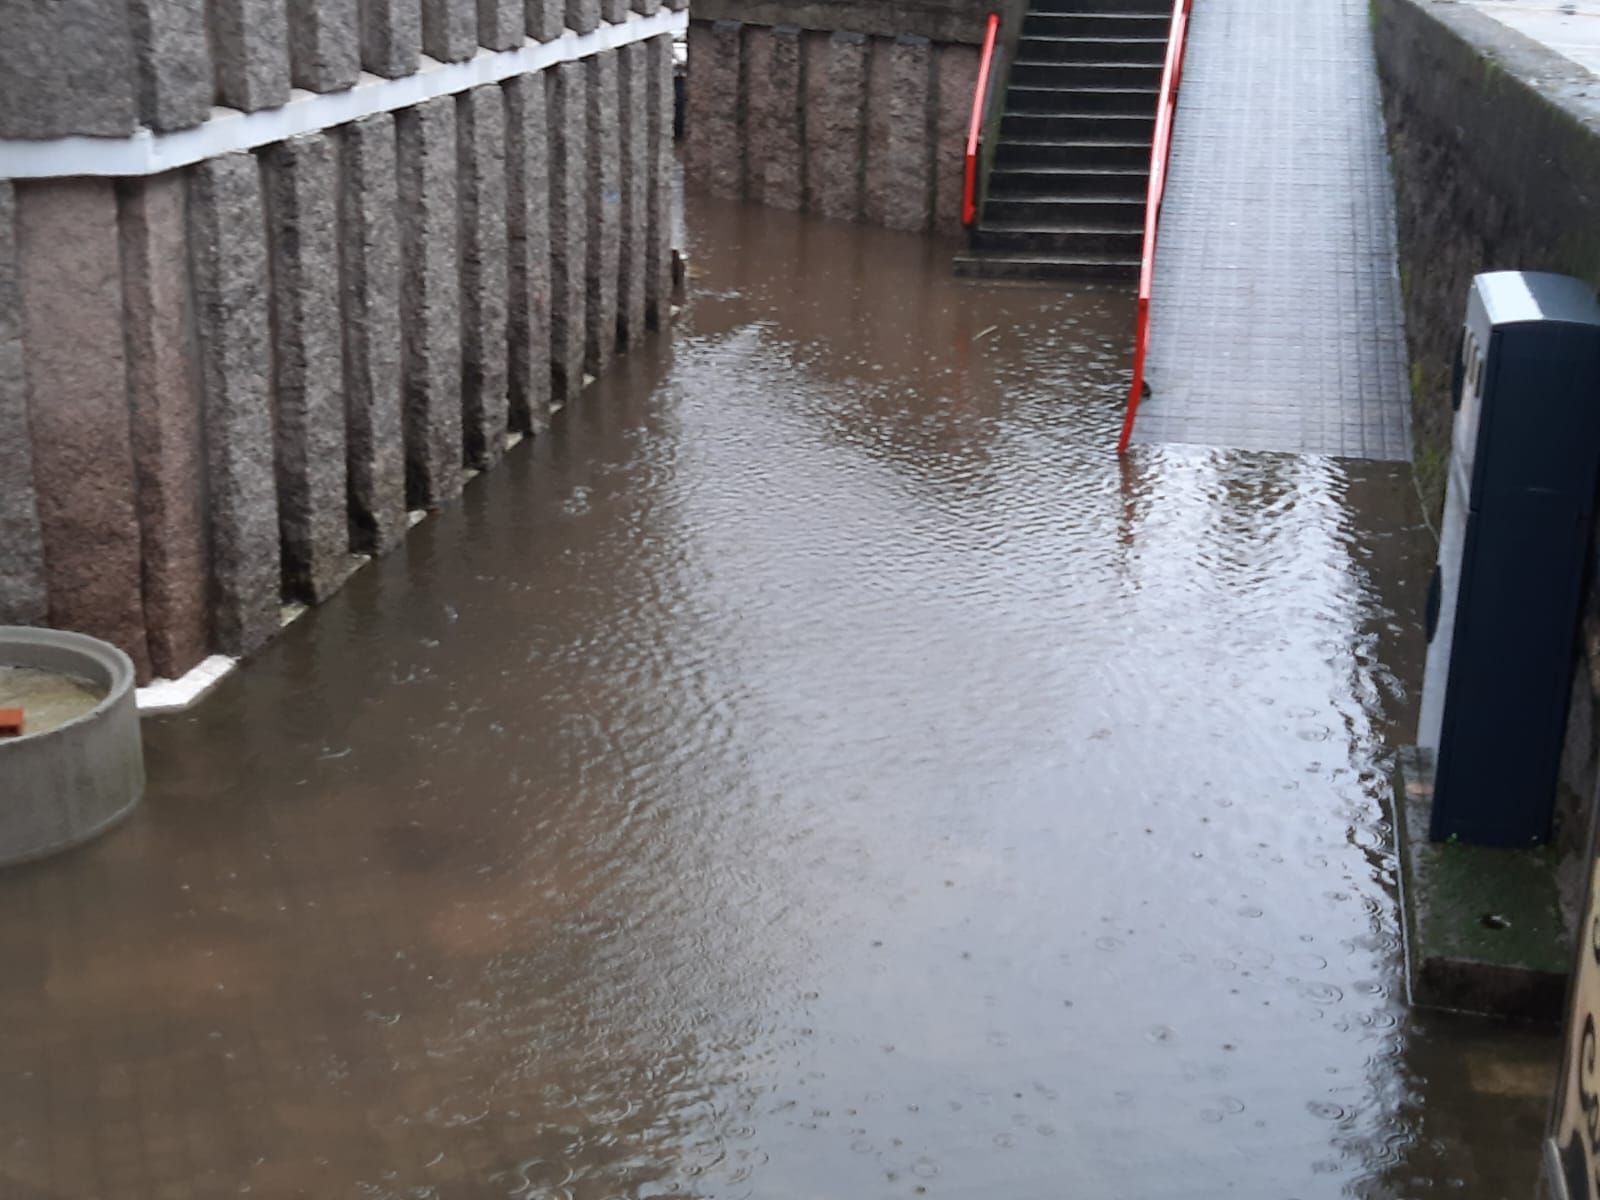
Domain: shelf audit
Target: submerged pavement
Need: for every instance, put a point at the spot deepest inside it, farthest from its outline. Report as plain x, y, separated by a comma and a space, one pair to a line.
818, 769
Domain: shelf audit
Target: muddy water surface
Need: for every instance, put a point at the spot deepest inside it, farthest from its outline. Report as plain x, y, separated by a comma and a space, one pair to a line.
818, 770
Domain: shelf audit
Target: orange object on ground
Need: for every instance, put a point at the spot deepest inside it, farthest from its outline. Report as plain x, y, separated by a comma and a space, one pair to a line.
10, 722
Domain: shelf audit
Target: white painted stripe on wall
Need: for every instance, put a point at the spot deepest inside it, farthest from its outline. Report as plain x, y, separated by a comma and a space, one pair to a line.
175, 695
147, 153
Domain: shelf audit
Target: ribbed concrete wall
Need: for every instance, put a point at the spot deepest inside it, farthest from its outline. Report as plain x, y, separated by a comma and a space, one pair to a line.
223, 386
107, 68
937, 20
849, 125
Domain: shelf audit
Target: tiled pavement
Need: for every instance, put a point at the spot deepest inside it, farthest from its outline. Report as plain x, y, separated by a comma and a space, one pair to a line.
1569, 27
1276, 318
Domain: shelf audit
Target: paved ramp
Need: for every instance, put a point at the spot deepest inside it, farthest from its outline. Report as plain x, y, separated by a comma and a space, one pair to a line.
1276, 318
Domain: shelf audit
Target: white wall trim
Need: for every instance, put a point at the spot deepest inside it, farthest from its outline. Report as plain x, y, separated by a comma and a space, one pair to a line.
175, 695
147, 153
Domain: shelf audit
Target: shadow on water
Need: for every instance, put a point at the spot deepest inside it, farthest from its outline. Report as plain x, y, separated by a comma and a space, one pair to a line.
818, 769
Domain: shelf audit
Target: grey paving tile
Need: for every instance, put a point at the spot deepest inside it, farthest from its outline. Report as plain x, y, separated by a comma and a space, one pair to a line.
1276, 321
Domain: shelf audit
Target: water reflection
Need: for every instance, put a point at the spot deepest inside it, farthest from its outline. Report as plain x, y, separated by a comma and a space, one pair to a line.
819, 769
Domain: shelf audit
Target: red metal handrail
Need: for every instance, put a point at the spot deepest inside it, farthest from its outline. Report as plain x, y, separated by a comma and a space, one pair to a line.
1160, 150
980, 107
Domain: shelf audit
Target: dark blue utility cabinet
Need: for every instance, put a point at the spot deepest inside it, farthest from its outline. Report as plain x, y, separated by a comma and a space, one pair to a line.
1519, 511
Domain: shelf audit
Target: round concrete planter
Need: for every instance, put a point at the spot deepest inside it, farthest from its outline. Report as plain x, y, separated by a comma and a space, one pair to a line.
60, 788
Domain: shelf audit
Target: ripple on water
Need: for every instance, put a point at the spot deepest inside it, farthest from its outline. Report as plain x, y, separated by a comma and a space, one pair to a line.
781, 730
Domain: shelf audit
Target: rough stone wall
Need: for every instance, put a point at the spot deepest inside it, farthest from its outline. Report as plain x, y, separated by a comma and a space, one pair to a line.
1495, 145
849, 125
936, 20
106, 67
223, 387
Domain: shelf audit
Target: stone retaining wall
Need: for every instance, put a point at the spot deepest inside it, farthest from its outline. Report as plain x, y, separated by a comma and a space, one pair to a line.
108, 68
846, 124
936, 20
223, 387
1495, 143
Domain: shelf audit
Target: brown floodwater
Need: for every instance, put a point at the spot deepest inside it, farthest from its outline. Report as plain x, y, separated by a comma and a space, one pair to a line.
819, 770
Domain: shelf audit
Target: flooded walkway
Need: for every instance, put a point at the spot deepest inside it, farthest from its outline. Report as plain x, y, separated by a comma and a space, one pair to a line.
1276, 321
819, 769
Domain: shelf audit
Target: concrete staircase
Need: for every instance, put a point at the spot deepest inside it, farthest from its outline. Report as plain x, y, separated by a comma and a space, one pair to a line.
1067, 190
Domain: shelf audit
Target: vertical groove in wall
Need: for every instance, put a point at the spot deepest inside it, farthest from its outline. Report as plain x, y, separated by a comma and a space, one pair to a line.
308, 360
250, 51
879, 134
800, 181
756, 86
528, 253
634, 113
76, 367
864, 89
569, 225
164, 413
430, 302
604, 213
658, 198
930, 133
391, 36
228, 257
23, 599
481, 179
369, 243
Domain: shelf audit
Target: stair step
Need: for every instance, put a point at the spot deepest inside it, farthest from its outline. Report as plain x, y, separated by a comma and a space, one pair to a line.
1086, 74
1025, 265
1127, 211
1060, 239
1079, 127
1068, 181
1150, 50
1132, 101
1068, 152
